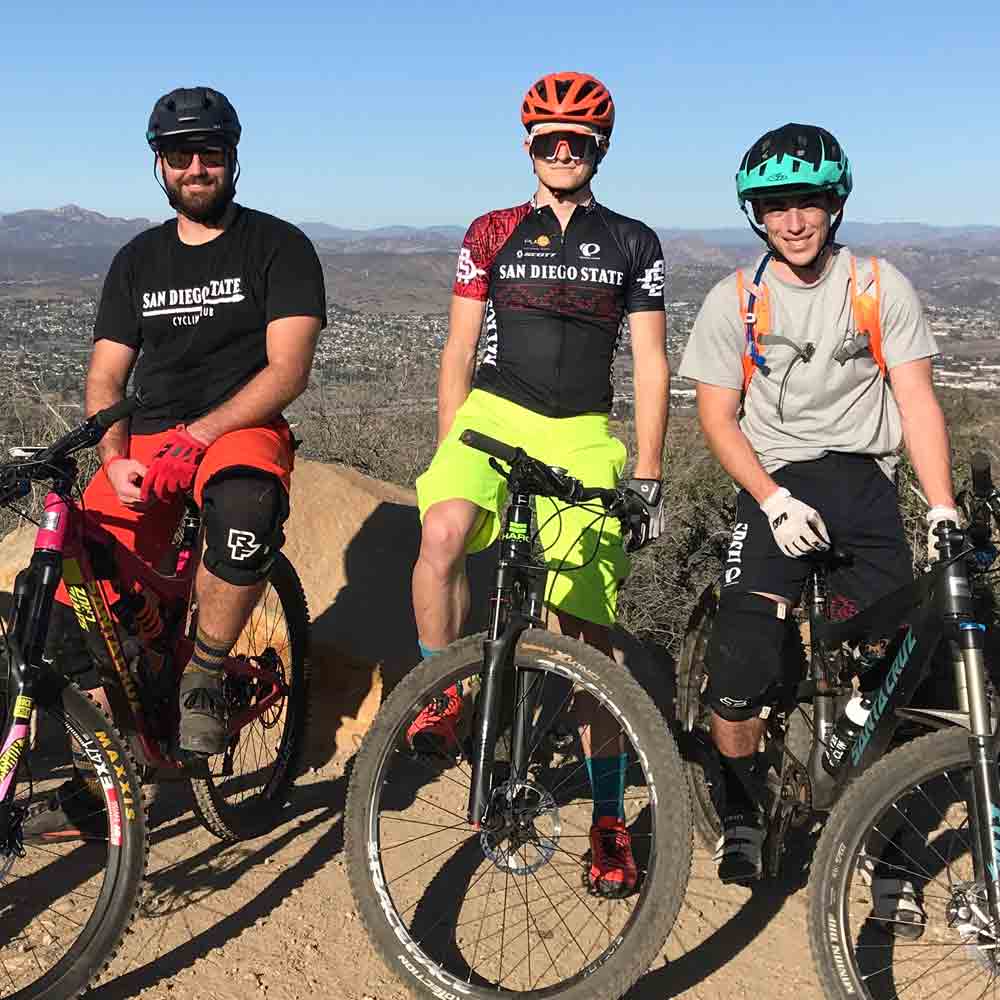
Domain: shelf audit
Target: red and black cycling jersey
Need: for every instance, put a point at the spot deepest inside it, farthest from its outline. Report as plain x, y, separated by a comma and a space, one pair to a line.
555, 302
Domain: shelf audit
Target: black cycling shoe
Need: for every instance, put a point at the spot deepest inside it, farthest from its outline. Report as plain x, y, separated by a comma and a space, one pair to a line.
203, 727
739, 851
72, 812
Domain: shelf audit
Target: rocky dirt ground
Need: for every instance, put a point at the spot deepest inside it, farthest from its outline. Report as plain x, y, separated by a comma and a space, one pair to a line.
273, 918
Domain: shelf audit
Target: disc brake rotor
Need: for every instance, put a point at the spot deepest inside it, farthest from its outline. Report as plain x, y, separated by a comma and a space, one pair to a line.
527, 831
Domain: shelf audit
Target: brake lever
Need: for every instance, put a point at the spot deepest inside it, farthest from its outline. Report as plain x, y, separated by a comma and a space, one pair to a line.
494, 464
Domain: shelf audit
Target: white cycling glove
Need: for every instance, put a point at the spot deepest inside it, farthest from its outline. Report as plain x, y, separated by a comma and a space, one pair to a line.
797, 528
934, 517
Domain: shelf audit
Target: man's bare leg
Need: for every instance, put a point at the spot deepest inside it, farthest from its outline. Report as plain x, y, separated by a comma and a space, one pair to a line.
223, 611
440, 585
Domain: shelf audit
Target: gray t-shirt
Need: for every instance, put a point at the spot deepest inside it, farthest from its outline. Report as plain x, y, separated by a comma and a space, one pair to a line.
800, 410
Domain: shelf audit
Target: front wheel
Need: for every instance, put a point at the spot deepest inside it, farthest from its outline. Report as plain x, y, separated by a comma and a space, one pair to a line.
903, 831
251, 780
458, 912
76, 854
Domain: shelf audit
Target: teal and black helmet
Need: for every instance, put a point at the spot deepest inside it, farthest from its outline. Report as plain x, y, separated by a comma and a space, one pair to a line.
793, 159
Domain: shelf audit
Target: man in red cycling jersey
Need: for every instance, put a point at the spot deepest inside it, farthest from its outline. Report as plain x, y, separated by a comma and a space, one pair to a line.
218, 311
552, 280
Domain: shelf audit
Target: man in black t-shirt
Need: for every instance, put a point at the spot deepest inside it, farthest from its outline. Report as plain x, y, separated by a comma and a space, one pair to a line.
219, 310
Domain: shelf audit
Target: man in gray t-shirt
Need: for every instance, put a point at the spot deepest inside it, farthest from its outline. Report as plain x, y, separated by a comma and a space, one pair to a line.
812, 368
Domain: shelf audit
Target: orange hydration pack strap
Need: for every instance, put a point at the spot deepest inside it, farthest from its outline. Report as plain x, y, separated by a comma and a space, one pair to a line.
755, 316
866, 311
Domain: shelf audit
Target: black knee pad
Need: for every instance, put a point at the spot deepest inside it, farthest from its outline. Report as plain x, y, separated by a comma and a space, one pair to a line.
744, 654
243, 512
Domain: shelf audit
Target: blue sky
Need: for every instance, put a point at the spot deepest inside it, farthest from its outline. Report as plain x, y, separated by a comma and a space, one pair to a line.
365, 114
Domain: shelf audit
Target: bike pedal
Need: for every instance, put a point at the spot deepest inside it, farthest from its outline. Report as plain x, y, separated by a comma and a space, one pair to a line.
195, 765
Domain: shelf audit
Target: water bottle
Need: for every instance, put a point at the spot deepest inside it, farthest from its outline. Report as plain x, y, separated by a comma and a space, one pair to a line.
845, 732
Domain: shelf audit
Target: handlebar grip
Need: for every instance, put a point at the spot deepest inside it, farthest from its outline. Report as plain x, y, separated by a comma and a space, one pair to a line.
489, 445
982, 481
119, 411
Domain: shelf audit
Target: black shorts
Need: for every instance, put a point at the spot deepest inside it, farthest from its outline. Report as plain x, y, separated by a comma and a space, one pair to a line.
858, 504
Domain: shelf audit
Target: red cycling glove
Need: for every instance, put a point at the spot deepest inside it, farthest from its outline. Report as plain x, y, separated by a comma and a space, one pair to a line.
174, 466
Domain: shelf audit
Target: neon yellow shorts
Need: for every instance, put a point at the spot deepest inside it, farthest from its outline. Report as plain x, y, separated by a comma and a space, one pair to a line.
583, 549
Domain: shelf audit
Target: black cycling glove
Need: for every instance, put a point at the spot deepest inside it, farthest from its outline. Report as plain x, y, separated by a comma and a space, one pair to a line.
646, 522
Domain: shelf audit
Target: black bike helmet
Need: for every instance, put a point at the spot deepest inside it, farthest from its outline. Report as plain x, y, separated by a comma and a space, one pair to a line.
193, 113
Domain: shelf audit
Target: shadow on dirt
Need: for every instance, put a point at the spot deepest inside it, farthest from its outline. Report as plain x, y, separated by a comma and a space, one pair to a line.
175, 886
730, 937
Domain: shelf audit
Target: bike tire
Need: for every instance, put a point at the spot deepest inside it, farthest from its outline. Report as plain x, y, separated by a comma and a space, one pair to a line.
912, 768
648, 928
118, 899
701, 765
221, 801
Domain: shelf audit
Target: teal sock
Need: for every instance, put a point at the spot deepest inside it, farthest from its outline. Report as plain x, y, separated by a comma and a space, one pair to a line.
607, 782
426, 652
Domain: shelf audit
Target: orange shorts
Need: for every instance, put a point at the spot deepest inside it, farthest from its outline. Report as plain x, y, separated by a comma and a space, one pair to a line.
149, 532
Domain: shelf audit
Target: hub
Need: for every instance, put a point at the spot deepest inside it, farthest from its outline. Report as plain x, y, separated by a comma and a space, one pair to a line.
525, 830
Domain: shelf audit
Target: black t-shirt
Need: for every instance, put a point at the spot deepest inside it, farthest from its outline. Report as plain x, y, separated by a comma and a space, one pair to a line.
198, 315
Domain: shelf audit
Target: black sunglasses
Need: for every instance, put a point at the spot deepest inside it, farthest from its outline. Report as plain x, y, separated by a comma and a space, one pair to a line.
180, 159
581, 146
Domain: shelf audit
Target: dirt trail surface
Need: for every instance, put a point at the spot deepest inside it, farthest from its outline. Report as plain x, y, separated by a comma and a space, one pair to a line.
273, 918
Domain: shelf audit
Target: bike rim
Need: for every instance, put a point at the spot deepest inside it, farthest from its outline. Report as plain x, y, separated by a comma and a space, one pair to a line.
510, 914
54, 897
255, 761
920, 848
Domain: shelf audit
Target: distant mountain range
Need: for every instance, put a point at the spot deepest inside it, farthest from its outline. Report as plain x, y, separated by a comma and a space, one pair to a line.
72, 226
952, 264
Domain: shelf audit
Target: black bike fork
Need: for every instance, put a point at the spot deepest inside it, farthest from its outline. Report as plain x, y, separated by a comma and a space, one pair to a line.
506, 626
33, 593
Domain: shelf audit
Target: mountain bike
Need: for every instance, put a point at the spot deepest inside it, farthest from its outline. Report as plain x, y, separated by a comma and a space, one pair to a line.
469, 867
927, 813
72, 824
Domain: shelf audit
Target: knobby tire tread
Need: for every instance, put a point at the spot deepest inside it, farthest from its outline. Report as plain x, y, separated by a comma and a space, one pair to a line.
862, 802
95, 956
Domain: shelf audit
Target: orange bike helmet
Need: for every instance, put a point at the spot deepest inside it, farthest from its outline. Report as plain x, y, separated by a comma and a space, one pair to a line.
569, 97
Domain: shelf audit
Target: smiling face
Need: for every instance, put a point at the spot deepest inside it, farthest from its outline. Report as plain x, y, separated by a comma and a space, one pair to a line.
201, 189
564, 158
797, 225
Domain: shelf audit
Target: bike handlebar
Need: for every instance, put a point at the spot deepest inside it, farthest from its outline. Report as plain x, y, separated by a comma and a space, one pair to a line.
491, 446
15, 477
546, 480
106, 419
982, 481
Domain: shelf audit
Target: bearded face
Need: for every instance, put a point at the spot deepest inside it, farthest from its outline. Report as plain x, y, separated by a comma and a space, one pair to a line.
200, 190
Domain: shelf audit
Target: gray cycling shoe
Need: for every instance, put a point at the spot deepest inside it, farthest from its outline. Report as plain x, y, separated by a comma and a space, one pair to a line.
897, 909
739, 851
73, 811
203, 728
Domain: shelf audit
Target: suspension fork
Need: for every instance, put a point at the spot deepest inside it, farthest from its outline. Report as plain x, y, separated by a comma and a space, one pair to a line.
983, 755
34, 591
507, 623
